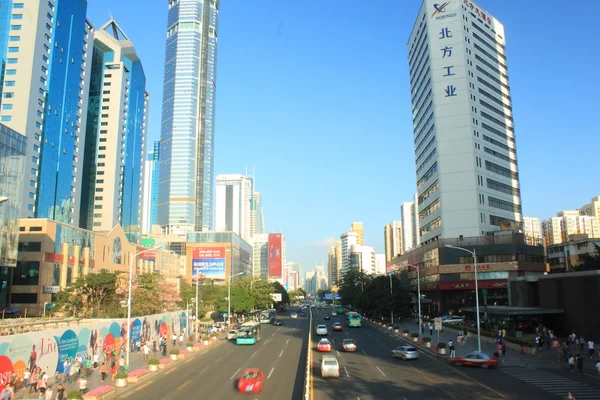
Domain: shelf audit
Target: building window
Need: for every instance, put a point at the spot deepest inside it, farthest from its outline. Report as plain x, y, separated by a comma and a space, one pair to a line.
12, 60
7, 106
5, 118
14, 38
35, 229
15, 27
18, 5
17, 16
26, 273
30, 246
23, 298
11, 72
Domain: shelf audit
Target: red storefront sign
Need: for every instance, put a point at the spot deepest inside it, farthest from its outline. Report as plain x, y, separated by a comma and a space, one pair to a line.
470, 285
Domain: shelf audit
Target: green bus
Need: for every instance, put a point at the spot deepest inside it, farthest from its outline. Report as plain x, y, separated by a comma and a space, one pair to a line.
249, 333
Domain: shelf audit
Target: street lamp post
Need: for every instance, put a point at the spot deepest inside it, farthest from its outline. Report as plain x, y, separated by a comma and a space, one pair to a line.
229, 298
128, 344
473, 253
392, 293
418, 294
197, 321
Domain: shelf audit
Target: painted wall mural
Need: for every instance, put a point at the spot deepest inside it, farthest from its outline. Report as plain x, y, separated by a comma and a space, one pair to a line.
49, 349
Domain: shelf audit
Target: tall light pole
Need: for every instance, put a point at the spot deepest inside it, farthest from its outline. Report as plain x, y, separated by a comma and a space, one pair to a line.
418, 292
392, 293
229, 298
197, 320
131, 260
473, 253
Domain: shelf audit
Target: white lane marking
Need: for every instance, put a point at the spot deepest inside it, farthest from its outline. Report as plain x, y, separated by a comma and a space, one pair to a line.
287, 341
253, 354
273, 333
279, 328
272, 369
267, 341
338, 353
347, 374
379, 369
280, 354
235, 373
363, 352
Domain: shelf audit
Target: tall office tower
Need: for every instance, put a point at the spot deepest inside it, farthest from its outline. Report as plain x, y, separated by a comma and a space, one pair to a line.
45, 80
357, 227
260, 252
150, 192
464, 139
233, 205
331, 266
115, 135
257, 222
294, 266
415, 221
531, 227
392, 234
310, 282
187, 133
321, 278
408, 228
294, 281
347, 240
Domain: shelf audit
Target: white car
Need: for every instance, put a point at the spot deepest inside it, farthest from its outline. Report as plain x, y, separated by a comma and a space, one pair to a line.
232, 334
294, 315
454, 320
321, 330
330, 368
333, 314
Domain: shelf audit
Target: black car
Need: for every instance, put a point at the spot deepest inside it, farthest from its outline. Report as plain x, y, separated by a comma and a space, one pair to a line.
278, 322
327, 318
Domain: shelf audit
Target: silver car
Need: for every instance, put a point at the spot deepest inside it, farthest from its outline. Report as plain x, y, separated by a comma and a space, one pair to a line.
405, 353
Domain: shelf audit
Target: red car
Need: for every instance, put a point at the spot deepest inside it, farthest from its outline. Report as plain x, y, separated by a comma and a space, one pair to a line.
251, 381
475, 359
338, 327
324, 345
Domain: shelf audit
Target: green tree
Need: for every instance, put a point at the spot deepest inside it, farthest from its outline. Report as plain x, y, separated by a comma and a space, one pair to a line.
259, 289
322, 292
353, 282
86, 296
296, 294
278, 288
187, 293
241, 299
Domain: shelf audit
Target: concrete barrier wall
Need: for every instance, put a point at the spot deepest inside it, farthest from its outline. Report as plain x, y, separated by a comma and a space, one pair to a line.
50, 348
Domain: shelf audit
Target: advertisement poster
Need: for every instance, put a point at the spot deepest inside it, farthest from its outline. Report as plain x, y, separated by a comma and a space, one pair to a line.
274, 260
208, 263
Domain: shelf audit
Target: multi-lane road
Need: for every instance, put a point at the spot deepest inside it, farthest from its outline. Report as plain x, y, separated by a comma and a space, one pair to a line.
280, 354
371, 373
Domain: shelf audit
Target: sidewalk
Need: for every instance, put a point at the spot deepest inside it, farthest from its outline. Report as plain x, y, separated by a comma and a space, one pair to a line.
513, 358
136, 361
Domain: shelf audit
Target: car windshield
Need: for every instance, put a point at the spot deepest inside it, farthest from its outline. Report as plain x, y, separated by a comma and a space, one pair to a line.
324, 341
331, 363
411, 349
349, 341
251, 375
321, 327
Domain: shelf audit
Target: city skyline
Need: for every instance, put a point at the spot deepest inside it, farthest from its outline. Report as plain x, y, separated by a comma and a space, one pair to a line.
388, 93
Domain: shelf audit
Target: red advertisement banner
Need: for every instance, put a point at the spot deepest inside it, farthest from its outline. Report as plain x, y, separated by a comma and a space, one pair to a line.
274, 260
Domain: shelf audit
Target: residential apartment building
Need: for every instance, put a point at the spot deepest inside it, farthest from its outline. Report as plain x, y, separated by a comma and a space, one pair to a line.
334, 264
566, 223
464, 135
233, 204
188, 117
46, 50
115, 135
593, 208
150, 190
531, 227
358, 228
407, 226
392, 234
563, 257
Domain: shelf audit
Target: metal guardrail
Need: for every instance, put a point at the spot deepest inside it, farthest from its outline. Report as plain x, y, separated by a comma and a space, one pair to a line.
307, 394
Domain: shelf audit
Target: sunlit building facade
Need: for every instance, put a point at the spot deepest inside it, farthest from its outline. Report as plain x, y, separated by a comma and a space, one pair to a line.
188, 112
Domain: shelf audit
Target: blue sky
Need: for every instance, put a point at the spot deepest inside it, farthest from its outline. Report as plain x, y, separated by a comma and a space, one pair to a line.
315, 96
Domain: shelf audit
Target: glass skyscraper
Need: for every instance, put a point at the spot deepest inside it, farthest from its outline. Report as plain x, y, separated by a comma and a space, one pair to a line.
187, 132
115, 135
45, 72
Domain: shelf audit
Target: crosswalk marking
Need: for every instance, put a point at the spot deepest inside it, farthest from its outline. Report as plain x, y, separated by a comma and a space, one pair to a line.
552, 383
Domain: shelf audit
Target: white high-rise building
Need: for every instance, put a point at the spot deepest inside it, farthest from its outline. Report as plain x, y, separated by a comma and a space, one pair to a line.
464, 136
348, 239
294, 266
321, 278
363, 258
257, 221
531, 227
233, 205
408, 228
260, 255
380, 266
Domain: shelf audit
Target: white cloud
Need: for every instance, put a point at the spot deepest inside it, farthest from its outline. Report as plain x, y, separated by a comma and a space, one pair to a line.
330, 241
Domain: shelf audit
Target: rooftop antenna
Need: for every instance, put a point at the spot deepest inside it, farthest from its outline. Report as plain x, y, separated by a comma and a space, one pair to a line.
110, 15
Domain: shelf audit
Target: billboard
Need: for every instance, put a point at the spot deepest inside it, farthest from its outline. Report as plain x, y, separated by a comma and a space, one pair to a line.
276, 296
274, 260
208, 263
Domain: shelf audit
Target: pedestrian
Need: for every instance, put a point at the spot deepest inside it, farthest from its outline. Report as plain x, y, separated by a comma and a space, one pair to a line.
26, 377
571, 363
96, 359
174, 338
113, 370
181, 338
146, 351
522, 348
122, 363
579, 361
452, 349
60, 392
430, 329
8, 392
103, 371
503, 350
465, 337
591, 348
49, 395
83, 385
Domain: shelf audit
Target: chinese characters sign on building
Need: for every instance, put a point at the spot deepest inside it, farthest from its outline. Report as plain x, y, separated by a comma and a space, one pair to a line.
480, 13
208, 263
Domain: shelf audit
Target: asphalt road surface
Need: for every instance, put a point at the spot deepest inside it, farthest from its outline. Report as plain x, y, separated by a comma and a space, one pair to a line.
280, 354
371, 373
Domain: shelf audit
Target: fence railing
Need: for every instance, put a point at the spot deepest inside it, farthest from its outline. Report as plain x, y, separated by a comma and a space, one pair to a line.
308, 359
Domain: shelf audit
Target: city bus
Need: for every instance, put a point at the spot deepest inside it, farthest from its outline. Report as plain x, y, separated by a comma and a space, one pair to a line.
267, 316
354, 320
249, 333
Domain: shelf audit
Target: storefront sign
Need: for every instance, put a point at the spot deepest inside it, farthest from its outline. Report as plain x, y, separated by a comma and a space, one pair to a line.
51, 289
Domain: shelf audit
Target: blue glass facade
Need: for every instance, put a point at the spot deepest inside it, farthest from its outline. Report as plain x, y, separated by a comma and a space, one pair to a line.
154, 183
60, 125
134, 147
187, 131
